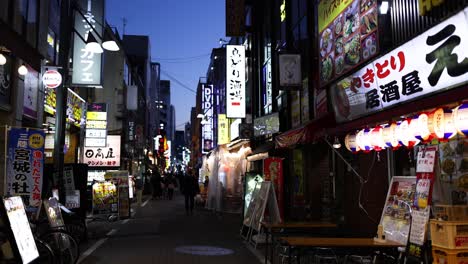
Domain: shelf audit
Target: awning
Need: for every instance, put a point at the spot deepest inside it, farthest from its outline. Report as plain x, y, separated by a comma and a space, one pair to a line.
307, 133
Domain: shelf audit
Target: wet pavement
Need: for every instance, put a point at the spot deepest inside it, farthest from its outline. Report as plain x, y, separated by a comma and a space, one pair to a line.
160, 232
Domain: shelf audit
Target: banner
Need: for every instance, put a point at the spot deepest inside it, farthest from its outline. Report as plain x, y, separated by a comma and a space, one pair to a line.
121, 178
273, 171
432, 62
207, 121
25, 165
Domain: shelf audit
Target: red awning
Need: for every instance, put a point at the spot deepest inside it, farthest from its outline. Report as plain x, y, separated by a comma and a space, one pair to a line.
307, 133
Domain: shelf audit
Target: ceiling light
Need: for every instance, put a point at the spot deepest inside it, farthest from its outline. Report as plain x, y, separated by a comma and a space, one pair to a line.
337, 143
384, 7
22, 70
92, 45
2, 59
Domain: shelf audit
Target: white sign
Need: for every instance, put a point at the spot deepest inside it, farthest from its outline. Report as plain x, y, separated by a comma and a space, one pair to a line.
434, 61
52, 79
235, 81
207, 121
95, 142
21, 229
108, 156
425, 161
96, 133
97, 175
234, 133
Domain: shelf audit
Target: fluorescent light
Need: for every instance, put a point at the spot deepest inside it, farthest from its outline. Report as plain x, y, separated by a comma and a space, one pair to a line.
2, 59
22, 70
384, 7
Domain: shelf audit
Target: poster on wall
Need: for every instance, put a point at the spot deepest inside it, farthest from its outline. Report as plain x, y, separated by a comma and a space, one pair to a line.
105, 198
273, 171
108, 156
289, 70
348, 36
25, 165
396, 214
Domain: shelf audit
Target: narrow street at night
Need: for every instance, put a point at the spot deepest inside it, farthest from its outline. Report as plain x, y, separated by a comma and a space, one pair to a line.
160, 232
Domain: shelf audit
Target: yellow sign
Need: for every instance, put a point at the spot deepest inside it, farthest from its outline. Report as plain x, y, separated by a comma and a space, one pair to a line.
427, 5
96, 116
36, 141
96, 124
223, 129
283, 11
328, 10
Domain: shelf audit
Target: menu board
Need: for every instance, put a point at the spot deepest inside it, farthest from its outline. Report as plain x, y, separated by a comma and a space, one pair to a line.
348, 36
19, 224
121, 179
252, 181
396, 214
53, 213
105, 199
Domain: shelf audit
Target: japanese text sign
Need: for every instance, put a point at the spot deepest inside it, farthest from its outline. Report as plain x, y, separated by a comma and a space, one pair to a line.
75, 106
108, 156
87, 64
25, 164
425, 161
432, 62
223, 129
235, 81
266, 125
207, 122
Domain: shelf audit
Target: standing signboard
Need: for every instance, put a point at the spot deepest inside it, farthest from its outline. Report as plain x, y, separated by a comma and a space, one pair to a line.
54, 215
25, 165
273, 171
121, 178
105, 198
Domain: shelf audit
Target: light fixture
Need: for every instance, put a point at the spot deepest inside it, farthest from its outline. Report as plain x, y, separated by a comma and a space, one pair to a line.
337, 143
92, 45
22, 70
110, 44
2, 59
384, 7
200, 115
212, 68
215, 57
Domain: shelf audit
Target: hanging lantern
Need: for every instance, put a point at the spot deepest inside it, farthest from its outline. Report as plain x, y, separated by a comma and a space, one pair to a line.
405, 135
363, 140
460, 118
351, 143
389, 136
449, 127
421, 130
376, 138
436, 123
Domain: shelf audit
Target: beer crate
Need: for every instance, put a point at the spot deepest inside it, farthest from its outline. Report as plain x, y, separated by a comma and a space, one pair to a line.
449, 256
450, 212
449, 234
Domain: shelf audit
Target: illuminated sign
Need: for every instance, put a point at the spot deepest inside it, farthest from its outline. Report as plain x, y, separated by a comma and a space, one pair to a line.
96, 125
235, 129
75, 106
266, 125
283, 11
108, 156
235, 81
223, 129
52, 79
207, 121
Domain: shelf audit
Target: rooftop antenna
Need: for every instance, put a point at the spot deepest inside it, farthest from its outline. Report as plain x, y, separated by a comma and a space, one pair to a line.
124, 21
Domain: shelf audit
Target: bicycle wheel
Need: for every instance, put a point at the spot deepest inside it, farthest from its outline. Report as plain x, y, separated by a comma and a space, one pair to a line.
64, 246
77, 230
46, 254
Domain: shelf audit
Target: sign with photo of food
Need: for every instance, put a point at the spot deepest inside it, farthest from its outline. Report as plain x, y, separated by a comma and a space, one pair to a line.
348, 36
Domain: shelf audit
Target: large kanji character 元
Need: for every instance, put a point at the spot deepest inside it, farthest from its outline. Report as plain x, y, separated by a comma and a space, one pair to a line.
390, 91
372, 99
368, 77
21, 166
410, 83
444, 56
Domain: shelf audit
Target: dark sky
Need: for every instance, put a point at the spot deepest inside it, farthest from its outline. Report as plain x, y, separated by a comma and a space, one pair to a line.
182, 34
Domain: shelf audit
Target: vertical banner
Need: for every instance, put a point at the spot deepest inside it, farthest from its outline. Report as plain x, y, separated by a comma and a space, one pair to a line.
235, 18
25, 164
87, 64
223, 129
235, 81
273, 171
207, 122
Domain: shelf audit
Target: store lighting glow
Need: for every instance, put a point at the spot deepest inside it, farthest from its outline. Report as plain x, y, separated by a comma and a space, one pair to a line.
2, 59
22, 70
92, 45
384, 7
351, 143
460, 118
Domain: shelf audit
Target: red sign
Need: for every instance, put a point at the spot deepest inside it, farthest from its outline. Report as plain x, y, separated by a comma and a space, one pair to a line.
52, 79
273, 171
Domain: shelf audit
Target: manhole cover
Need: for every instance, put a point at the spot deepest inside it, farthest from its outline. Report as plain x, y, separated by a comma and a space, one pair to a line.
204, 250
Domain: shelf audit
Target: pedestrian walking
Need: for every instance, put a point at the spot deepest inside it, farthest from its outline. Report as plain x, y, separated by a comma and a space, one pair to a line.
191, 188
171, 184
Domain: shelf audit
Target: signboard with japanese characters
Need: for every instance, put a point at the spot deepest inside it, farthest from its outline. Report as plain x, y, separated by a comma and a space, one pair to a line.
96, 125
25, 165
108, 156
76, 107
207, 121
235, 81
223, 129
348, 36
87, 64
31, 89
435, 61
266, 125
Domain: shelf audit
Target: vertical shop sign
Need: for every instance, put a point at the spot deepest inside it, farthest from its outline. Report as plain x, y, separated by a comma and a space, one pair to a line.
31, 89
235, 18
131, 131
87, 64
96, 125
295, 108
223, 129
273, 171
25, 164
235, 81
207, 122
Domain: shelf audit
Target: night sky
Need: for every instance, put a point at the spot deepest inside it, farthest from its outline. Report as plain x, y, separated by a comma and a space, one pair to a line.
182, 34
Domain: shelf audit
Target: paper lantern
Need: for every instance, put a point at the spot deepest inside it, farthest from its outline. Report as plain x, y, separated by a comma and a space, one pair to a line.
376, 138
460, 119
449, 127
421, 130
389, 136
351, 143
436, 123
363, 140
405, 134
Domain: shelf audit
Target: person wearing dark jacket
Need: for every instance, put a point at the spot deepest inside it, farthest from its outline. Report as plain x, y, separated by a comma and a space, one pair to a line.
191, 189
